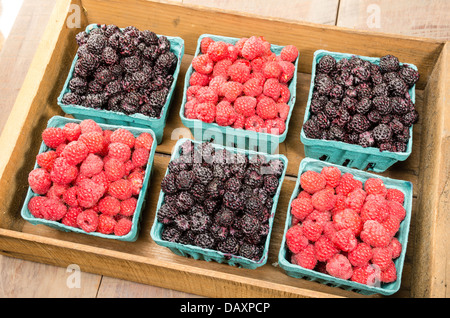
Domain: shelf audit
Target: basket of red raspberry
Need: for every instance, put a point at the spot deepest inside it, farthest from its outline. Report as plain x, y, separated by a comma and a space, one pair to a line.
360, 110
240, 92
123, 77
347, 228
218, 203
90, 178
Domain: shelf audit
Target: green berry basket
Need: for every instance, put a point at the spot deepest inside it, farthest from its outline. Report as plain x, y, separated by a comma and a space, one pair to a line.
232, 137
351, 155
118, 118
402, 235
58, 121
199, 253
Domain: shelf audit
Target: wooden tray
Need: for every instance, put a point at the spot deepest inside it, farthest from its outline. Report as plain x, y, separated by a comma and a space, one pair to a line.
144, 261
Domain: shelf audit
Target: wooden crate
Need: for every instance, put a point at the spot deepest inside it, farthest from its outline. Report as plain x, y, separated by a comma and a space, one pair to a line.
143, 261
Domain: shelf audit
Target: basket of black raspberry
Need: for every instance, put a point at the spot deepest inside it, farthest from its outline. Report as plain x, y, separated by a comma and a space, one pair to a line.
123, 77
218, 203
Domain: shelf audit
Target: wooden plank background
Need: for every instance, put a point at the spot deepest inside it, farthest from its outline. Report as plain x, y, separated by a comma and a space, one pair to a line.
19, 278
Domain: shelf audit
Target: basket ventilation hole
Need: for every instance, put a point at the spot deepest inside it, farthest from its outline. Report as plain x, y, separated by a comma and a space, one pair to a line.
324, 158
370, 165
346, 162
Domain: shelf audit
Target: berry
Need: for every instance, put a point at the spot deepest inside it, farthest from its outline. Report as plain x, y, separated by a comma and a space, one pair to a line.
62, 172
323, 200
389, 275
231, 91
325, 249
89, 125
374, 234
295, 240
254, 123
128, 206
252, 87
272, 69
39, 180
89, 193
266, 108
119, 151
382, 257
312, 181
276, 126
70, 219
203, 64
239, 72
204, 44
124, 136
389, 63
367, 275
245, 105
225, 114
289, 53
53, 137
348, 219
144, 140
396, 247
75, 152
123, 227
109, 205
91, 166
272, 88
206, 112
375, 186
69, 196
121, 189
94, 141
345, 240
339, 266
332, 175
217, 50
71, 131
306, 258
140, 157
397, 210
88, 220
46, 159
361, 255
106, 224
252, 48
312, 230
376, 209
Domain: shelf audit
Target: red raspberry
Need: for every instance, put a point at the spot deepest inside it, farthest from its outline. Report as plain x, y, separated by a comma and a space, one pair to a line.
109, 205
287, 71
356, 199
94, 140
321, 217
46, 159
53, 137
128, 206
119, 151
88, 220
345, 240
89, 125
266, 108
272, 88
204, 44
375, 234
39, 180
361, 255
301, 207
206, 112
69, 197
323, 200
199, 79
218, 50
347, 184
137, 180
53, 209
89, 193
283, 110
70, 219
239, 72
289, 53
216, 84
325, 249
231, 91
367, 275
35, 204
340, 204
75, 152
225, 114
71, 131
203, 64
124, 136
106, 224
382, 257
144, 140
245, 105
312, 181
107, 136
121, 189
329, 230
221, 68
114, 169
257, 64
140, 157
339, 266
101, 179
57, 191
62, 172
396, 209
207, 95
312, 230
306, 258
240, 44
396, 247
295, 240
123, 227
348, 219
233, 53
254, 123
389, 275
376, 209
375, 186
91, 166
275, 126
252, 87
252, 48
239, 123
332, 175
395, 195
189, 109
391, 224
272, 69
